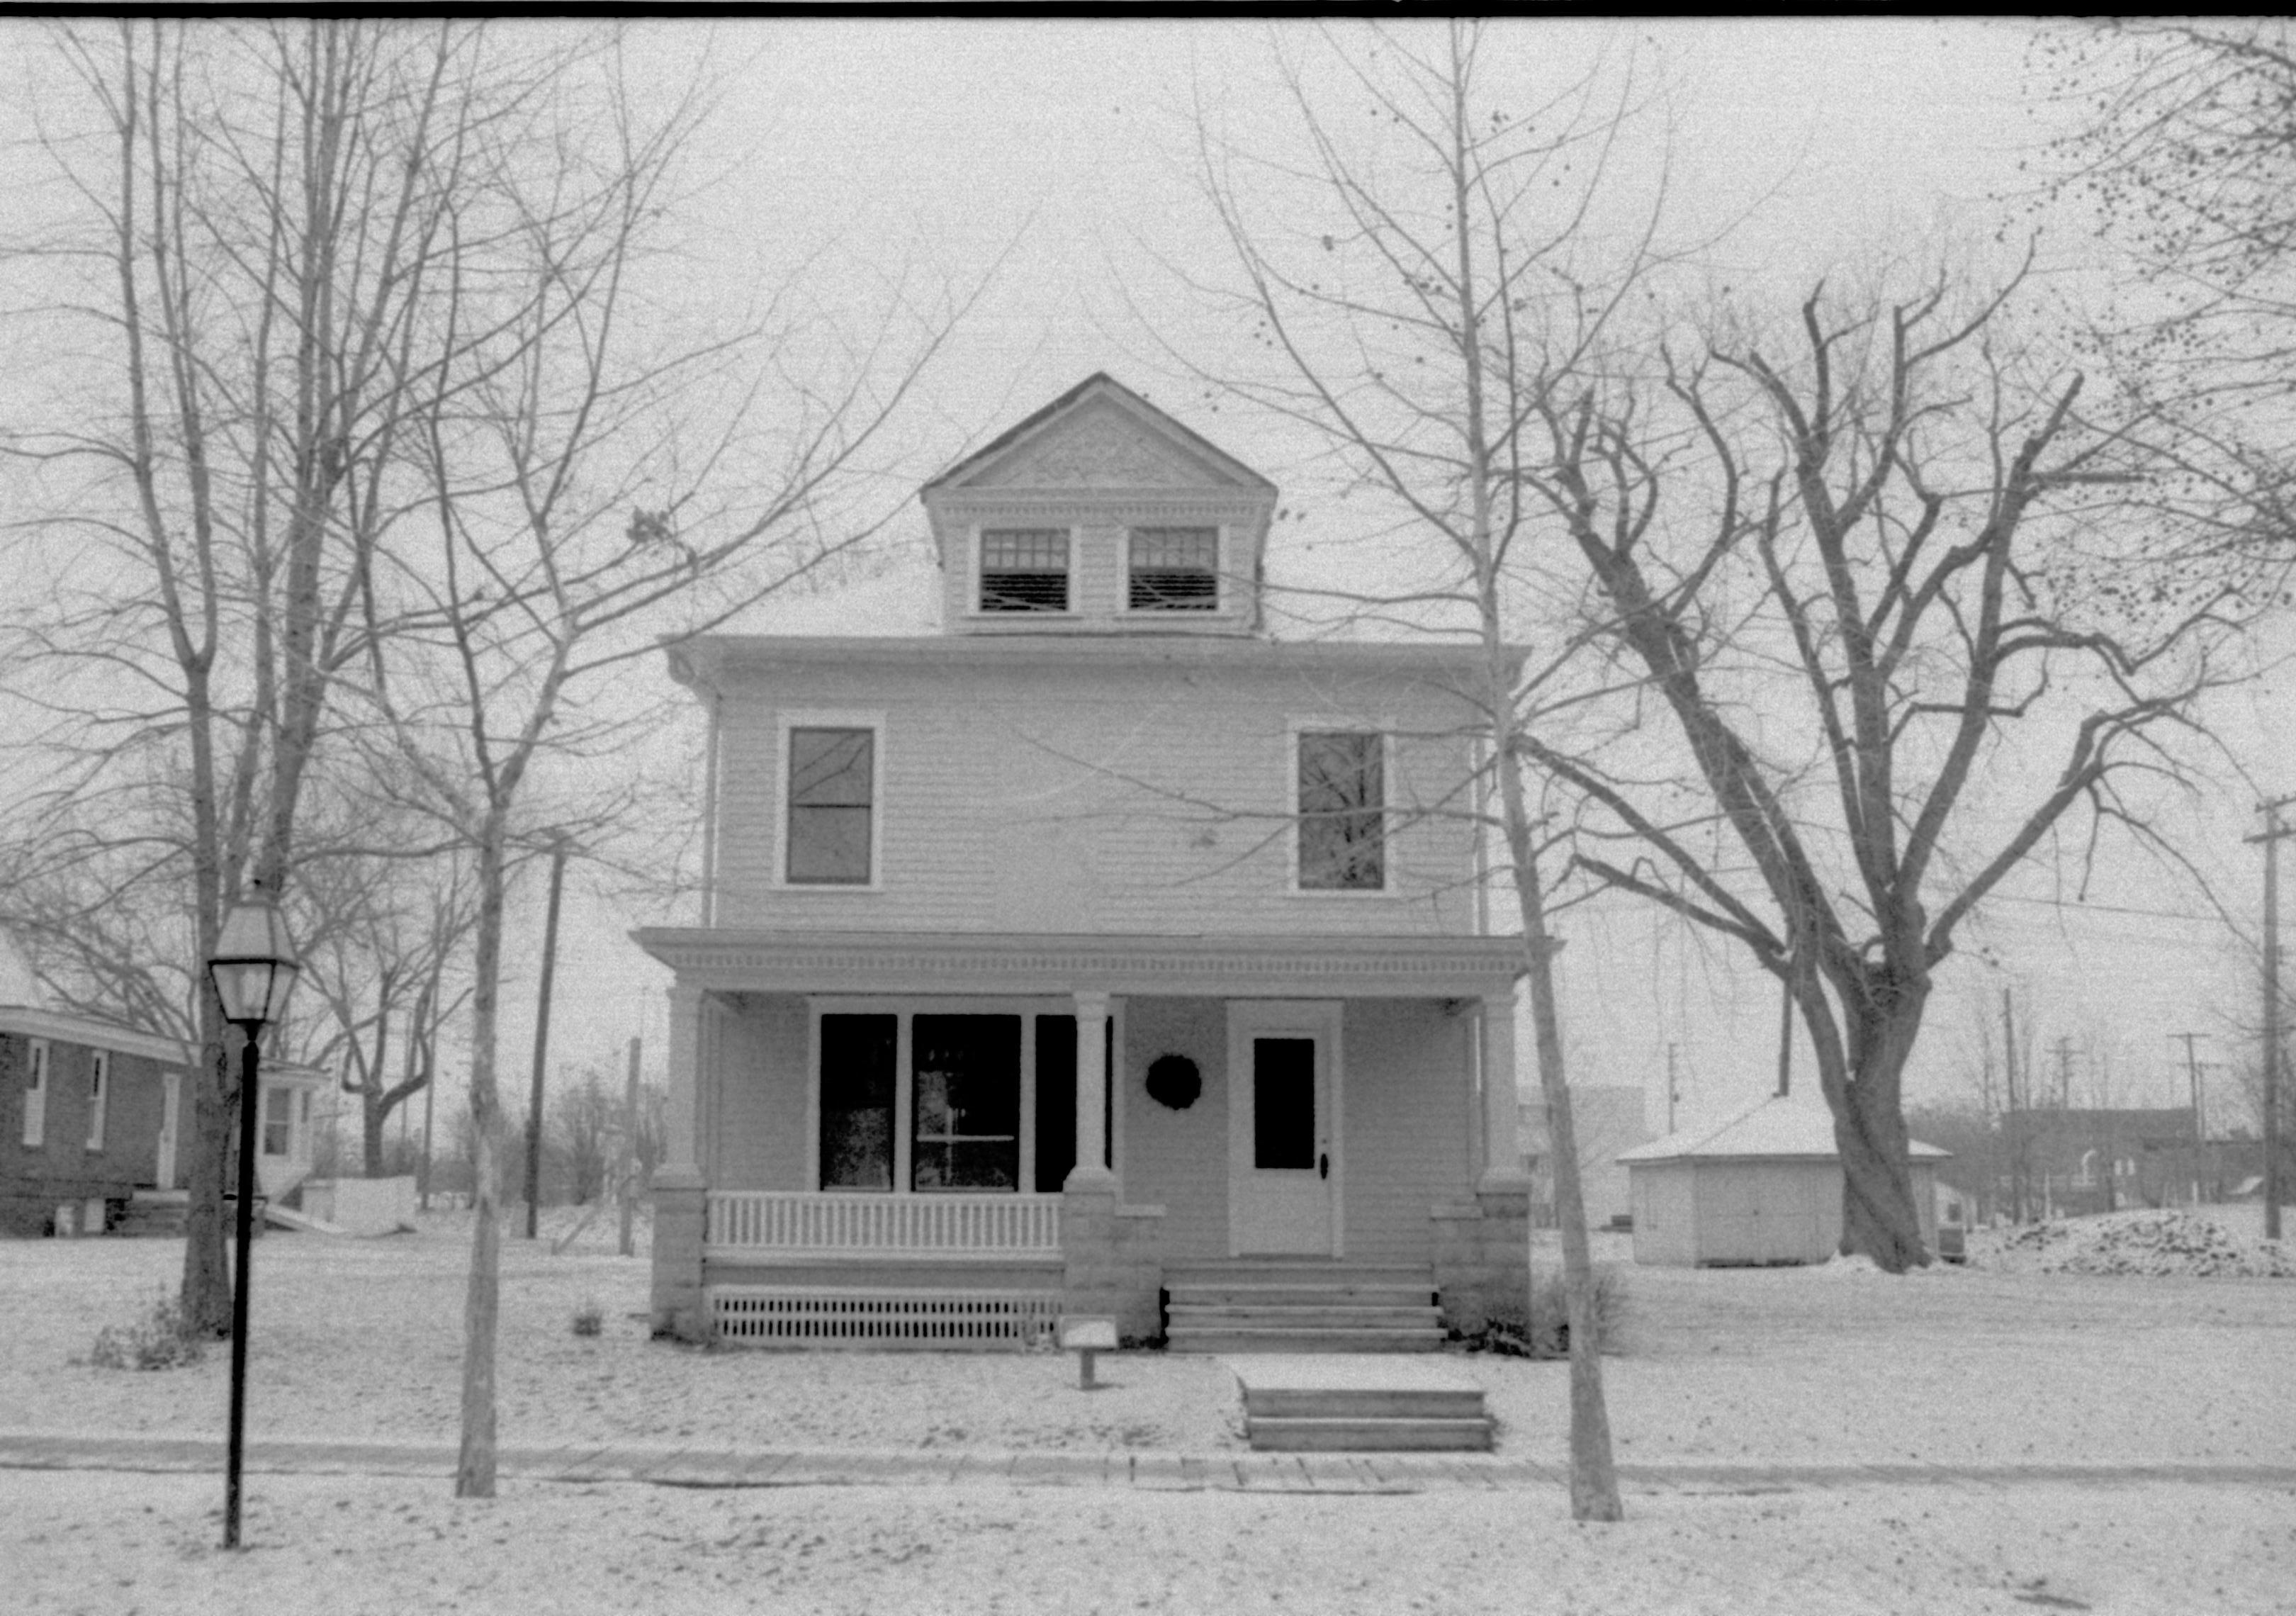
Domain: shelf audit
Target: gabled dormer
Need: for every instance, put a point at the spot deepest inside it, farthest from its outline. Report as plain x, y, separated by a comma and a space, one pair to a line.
1100, 514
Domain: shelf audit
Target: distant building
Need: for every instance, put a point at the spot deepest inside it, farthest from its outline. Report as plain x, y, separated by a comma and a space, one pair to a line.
1763, 1188
1605, 1120
2077, 1162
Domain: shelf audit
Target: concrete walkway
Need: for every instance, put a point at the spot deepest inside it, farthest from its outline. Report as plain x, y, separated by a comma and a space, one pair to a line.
696, 1465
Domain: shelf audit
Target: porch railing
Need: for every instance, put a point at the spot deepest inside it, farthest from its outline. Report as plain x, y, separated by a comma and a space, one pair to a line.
787, 1224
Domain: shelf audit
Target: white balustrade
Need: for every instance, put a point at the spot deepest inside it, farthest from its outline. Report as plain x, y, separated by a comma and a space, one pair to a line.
770, 1223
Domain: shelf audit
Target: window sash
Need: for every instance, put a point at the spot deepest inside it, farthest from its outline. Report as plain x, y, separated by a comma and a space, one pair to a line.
99, 1096
965, 1102
1024, 570
1342, 823
36, 1095
278, 1121
831, 808
857, 1094
1174, 570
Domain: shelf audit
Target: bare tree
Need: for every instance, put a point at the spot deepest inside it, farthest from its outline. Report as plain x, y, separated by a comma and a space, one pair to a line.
259, 216
1439, 280
1910, 560
573, 457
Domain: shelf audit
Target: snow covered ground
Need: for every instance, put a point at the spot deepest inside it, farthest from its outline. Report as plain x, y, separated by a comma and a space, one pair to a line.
1951, 1366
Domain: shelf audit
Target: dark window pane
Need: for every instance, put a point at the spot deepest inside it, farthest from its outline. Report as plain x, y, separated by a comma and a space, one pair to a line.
1343, 829
832, 799
1174, 570
1284, 1103
1024, 570
966, 1094
1056, 1059
856, 1102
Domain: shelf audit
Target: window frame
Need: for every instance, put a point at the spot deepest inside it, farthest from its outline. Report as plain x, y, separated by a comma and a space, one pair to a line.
1220, 592
38, 1069
981, 532
904, 1009
829, 718
1293, 731
285, 1122
99, 1097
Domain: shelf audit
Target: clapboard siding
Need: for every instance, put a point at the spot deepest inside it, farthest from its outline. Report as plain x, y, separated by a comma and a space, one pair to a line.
1178, 1159
1124, 799
1406, 1107
758, 1139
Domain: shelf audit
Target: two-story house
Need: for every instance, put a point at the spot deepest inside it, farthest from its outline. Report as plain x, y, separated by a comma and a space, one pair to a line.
1097, 950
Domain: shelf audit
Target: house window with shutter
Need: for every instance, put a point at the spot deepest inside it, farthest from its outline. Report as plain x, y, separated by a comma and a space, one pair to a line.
1342, 822
1024, 570
1174, 570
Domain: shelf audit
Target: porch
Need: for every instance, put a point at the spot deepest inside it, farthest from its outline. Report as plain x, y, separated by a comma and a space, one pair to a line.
943, 1142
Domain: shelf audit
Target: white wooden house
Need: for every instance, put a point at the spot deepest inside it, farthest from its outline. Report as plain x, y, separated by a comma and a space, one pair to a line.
1763, 1188
1097, 953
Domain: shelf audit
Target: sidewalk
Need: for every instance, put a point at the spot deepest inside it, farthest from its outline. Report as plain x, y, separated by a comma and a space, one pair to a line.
698, 1466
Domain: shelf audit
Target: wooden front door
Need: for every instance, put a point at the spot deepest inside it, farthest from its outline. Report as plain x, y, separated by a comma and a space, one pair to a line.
1283, 1134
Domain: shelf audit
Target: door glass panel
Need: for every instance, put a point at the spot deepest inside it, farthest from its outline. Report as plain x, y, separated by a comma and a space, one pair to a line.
967, 1089
1283, 1103
856, 1102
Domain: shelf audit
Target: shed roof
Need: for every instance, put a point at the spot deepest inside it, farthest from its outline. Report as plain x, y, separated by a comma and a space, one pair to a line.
1779, 1129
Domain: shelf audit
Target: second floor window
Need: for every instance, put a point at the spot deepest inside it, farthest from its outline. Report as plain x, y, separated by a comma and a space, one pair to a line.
1024, 570
1174, 570
1342, 817
832, 785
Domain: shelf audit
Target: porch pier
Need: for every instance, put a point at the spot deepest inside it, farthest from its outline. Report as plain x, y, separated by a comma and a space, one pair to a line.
680, 1192
1482, 1247
1111, 1254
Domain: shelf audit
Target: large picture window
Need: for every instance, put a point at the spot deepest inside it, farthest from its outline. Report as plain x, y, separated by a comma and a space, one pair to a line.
1174, 570
966, 1088
1024, 570
832, 785
858, 1056
1342, 812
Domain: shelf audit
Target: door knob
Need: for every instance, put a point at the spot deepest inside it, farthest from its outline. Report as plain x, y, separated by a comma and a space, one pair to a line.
1323, 1166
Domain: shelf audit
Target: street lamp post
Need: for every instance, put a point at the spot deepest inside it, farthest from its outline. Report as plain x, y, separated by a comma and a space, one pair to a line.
253, 970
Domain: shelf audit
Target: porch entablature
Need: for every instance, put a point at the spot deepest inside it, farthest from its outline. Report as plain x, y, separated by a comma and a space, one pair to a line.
719, 959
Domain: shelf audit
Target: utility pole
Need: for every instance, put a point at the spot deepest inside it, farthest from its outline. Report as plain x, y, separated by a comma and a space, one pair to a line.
1673, 1089
2200, 1129
2064, 1074
542, 1037
2017, 1123
2270, 837
628, 1246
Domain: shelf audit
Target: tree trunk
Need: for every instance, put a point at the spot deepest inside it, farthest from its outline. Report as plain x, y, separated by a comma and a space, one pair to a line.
206, 1295
1593, 1474
1879, 1218
474, 1471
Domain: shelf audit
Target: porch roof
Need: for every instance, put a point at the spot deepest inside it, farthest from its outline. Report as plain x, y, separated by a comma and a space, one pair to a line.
765, 960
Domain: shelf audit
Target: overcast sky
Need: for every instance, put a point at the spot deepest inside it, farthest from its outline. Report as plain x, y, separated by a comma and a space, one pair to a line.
1053, 161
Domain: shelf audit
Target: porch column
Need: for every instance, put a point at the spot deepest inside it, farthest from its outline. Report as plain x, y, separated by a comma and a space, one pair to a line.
681, 1155
680, 1195
1092, 1091
1502, 1156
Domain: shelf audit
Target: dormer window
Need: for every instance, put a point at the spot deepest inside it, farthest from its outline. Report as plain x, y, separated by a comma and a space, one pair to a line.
1174, 570
1024, 570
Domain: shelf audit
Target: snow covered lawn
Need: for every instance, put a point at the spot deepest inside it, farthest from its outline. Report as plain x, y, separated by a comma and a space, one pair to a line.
1952, 1366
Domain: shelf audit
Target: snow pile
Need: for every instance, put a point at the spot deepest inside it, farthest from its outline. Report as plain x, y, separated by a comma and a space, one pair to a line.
2168, 1242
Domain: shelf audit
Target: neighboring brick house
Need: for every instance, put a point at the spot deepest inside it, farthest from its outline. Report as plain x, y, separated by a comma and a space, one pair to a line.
1099, 873
97, 1115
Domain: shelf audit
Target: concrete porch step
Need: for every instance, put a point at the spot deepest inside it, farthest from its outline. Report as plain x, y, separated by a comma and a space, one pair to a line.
1199, 1294
1364, 1403
1297, 1271
1415, 1435
1314, 1315
1269, 1339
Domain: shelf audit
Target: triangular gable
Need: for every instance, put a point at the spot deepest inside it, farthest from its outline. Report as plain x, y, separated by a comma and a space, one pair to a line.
1099, 434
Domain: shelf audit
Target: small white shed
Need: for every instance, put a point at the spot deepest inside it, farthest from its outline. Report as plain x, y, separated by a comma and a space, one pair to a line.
1764, 1187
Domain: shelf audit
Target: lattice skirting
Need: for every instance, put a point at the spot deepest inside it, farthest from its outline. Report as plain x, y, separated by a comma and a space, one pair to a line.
826, 1316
